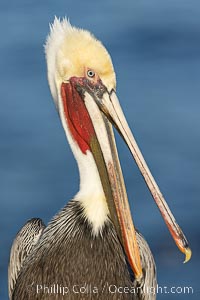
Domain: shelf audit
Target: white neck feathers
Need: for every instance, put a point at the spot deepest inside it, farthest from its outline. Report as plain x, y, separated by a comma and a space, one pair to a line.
91, 194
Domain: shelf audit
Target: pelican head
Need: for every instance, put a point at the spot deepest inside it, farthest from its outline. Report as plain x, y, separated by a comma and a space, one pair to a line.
73, 52
83, 82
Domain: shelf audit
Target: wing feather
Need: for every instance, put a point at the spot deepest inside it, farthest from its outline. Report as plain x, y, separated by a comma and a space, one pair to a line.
22, 246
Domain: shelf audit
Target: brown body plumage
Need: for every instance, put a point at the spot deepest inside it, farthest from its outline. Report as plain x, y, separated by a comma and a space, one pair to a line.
68, 255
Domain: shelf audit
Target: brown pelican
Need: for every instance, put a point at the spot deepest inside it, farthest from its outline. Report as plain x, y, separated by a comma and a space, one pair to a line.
90, 249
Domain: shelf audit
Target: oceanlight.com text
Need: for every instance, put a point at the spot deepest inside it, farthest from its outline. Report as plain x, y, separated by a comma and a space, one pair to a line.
55, 289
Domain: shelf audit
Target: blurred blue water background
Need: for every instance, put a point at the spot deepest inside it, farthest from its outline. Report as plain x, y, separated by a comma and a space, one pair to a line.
155, 46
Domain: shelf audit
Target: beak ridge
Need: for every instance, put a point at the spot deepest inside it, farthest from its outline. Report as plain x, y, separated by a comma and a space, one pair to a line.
110, 106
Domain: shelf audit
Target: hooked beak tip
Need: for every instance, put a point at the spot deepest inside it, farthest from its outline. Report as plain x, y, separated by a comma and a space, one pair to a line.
188, 254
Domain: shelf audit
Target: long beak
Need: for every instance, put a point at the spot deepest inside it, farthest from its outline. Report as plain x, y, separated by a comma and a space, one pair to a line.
109, 104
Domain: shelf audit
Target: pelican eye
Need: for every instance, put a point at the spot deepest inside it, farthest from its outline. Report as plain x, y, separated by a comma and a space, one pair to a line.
91, 73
